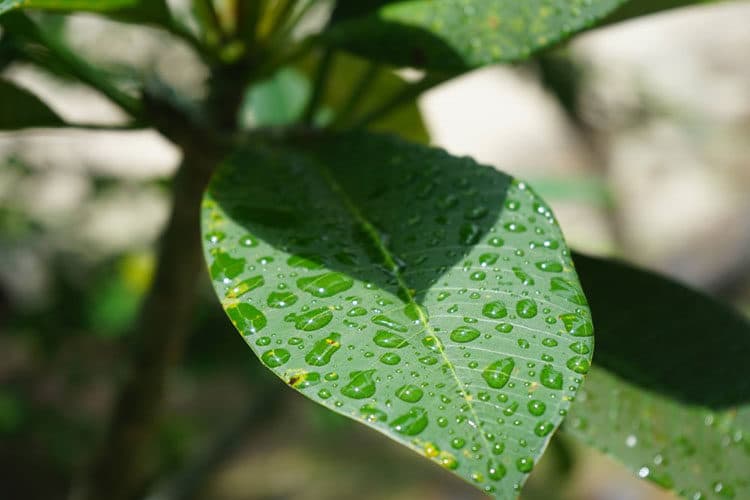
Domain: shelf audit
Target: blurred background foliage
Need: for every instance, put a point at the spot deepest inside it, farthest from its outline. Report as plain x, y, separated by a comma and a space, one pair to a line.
637, 134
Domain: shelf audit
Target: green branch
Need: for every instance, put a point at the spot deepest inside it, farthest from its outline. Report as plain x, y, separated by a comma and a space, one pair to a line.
319, 87
401, 98
164, 320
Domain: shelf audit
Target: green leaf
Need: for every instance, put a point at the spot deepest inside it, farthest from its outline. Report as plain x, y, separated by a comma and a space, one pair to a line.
693, 451
670, 395
420, 294
460, 34
21, 109
666, 337
380, 86
279, 100
135, 10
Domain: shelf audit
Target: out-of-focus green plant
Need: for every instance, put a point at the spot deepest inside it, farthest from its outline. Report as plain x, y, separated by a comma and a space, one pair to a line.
426, 296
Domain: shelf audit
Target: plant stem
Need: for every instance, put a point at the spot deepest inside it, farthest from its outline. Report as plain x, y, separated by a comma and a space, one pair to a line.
401, 98
280, 20
284, 32
209, 22
319, 87
365, 81
164, 319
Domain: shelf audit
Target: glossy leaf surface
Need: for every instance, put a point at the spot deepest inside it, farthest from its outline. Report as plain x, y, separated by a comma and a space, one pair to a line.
669, 396
426, 296
21, 109
460, 34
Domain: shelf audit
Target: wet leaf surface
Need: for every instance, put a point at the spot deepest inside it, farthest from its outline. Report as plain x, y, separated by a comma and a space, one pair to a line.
669, 395
426, 296
460, 34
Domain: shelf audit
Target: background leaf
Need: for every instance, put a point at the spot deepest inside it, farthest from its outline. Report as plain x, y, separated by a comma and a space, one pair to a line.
426, 296
670, 386
134, 10
696, 452
21, 109
279, 100
654, 332
381, 85
460, 34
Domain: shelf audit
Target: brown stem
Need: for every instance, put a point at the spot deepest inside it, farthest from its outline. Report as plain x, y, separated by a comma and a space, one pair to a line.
118, 469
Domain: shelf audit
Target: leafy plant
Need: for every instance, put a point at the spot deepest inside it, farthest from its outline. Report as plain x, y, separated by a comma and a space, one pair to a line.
426, 296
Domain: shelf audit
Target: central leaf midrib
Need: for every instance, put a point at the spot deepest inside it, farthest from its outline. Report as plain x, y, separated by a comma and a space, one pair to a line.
388, 259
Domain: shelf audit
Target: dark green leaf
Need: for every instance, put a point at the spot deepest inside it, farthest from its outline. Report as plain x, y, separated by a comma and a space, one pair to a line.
460, 34
381, 85
696, 452
666, 337
135, 10
670, 395
423, 295
21, 109
347, 10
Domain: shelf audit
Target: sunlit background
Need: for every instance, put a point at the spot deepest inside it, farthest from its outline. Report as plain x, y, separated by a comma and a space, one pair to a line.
638, 135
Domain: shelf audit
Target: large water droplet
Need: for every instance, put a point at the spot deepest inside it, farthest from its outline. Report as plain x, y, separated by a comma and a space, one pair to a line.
526, 308
313, 319
536, 407
390, 358
387, 322
498, 373
356, 311
275, 357
323, 349
304, 380
432, 343
246, 318
411, 423
361, 385
495, 310
464, 334
225, 266
409, 393
373, 414
543, 428
245, 286
577, 325
579, 364
549, 266
525, 464
488, 259
495, 470
551, 378
281, 299
568, 290
325, 285
389, 340
523, 277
